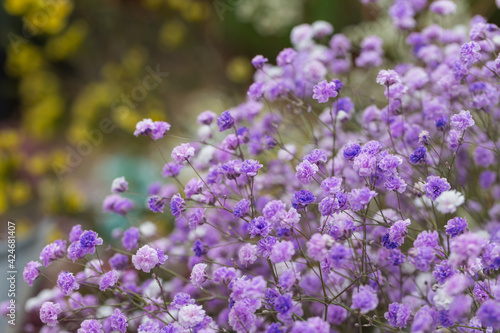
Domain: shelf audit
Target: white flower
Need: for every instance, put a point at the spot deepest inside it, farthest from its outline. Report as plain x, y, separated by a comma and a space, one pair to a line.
448, 201
148, 229
119, 185
191, 315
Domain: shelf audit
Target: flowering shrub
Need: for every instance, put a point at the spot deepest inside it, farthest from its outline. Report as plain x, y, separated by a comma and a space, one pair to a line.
312, 209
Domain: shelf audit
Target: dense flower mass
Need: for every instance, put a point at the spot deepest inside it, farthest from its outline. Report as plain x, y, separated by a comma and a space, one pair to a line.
355, 188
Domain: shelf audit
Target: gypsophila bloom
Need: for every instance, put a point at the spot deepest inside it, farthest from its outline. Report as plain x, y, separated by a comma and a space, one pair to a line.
206, 117
435, 186
351, 150
116, 204
156, 203
90, 326
198, 275
171, 169
286, 57
258, 61
119, 321
250, 167
488, 313
247, 254
75, 233
31, 272
66, 281
388, 77
396, 235
130, 239
182, 153
156, 130
49, 312
259, 227
119, 185
365, 299
118, 261
191, 315
456, 226
305, 172
324, 91
448, 201
469, 53
283, 304
398, 314
282, 251
443, 7
241, 208
331, 186
177, 205
225, 121
419, 155
108, 280
301, 199
52, 252
146, 258
360, 197
462, 121
88, 241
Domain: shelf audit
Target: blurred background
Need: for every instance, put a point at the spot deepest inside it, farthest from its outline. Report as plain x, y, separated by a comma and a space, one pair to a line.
76, 76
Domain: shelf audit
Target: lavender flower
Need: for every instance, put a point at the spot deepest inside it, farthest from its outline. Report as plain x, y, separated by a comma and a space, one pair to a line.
31, 272
177, 205
469, 53
323, 91
462, 121
156, 203
198, 275
301, 199
90, 326
365, 299
119, 321
49, 312
52, 252
456, 226
108, 280
225, 121
250, 167
305, 172
66, 281
396, 235
398, 314
435, 186
182, 153
419, 155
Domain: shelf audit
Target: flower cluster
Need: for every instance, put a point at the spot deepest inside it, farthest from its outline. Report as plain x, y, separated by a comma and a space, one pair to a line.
311, 208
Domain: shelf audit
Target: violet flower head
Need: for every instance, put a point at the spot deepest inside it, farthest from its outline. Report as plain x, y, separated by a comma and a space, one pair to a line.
396, 234
52, 252
90, 326
462, 121
388, 77
419, 155
156, 130
305, 172
49, 312
331, 185
259, 227
470, 53
225, 121
191, 315
206, 117
250, 167
130, 239
351, 150
398, 314
66, 282
119, 185
118, 321
456, 226
146, 258
316, 156
171, 169
425, 320
389, 163
283, 304
301, 199
156, 203
286, 57
108, 280
488, 313
282, 251
118, 261
360, 197
198, 275
89, 240
177, 205
256, 90
365, 299
443, 7
182, 153
75, 233
116, 204
241, 208
323, 91
258, 61
31, 272
434, 186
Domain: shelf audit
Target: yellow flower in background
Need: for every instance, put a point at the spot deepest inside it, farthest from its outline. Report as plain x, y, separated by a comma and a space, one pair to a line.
72, 199
37, 86
172, 34
195, 11
37, 164
48, 16
9, 139
176, 4
62, 46
19, 192
40, 119
3, 198
23, 59
134, 60
18, 7
239, 69
152, 4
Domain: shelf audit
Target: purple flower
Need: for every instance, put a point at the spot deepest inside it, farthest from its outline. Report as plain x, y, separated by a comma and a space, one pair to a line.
206, 117
443, 7
365, 164
241, 208
316, 156
199, 248
425, 320
156, 203
182, 153
171, 169
456, 226
388, 77
331, 185
365, 299
52, 252
283, 304
198, 275
250, 167
247, 254
395, 237
108, 280
286, 57
156, 130
396, 257
259, 226
301, 199
177, 205
360, 197
119, 261
88, 241
160, 128
181, 299
351, 150
130, 239
338, 255
389, 163
191, 315
462, 121
323, 91
224, 275
256, 90
258, 61
119, 185
442, 271
489, 312
118, 321
147, 258
90, 326
116, 204
434, 186
225, 121
75, 233
282, 251
398, 314
305, 172
31, 272
469, 53
419, 155
265, 246
49, 312
144, 127
67, 283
